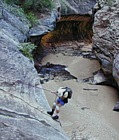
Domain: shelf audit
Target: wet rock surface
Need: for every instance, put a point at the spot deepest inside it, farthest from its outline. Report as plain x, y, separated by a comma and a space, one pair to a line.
72, 48
69, 28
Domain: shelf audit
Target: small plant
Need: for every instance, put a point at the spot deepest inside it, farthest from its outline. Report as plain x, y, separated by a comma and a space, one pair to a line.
33, 5
29, 7
12, 1
47, 4
32, 18
27, 49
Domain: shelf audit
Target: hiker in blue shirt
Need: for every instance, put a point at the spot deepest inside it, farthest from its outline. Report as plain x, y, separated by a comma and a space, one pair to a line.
63, 93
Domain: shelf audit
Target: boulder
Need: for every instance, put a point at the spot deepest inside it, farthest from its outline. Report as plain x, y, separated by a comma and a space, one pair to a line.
99, 77
45, 25
38, 30
116, 107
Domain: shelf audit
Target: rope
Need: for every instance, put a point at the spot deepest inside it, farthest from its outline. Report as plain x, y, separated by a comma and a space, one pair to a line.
42, 111
47, 90
20, 82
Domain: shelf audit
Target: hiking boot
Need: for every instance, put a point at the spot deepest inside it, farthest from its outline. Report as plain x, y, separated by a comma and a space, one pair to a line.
50, 112
55, 117
115, 109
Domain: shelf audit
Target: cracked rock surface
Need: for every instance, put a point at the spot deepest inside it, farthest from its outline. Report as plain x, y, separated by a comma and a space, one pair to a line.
23, 104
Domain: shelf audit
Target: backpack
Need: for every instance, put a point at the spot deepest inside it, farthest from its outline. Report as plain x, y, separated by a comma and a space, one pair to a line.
69, 92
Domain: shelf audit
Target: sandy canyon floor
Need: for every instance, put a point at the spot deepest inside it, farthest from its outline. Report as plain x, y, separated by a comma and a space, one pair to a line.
89, 114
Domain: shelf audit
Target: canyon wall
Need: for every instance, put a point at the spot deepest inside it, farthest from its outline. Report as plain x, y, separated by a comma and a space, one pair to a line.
23, 104
106, 39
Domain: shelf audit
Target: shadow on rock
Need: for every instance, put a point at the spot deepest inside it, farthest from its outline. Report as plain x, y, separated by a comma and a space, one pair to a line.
54, 72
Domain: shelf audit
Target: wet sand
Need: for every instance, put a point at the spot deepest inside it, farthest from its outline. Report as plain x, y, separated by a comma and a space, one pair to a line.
89, 114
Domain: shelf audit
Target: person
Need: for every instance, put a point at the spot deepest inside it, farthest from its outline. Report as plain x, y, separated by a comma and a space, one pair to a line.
63, 94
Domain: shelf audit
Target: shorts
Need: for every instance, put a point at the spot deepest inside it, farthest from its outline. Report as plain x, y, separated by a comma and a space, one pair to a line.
60, 101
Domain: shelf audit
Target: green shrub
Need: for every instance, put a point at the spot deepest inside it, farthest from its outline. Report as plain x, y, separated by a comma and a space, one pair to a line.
32, 18
12, 1
29, 7
27, 49
47, 4
35, 5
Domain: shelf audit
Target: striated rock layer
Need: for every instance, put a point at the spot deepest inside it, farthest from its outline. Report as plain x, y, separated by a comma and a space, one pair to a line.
22, 101
73, 27
69, 11
106, 39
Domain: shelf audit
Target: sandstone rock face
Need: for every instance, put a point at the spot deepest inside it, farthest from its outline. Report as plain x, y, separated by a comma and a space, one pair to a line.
106, 39
22, 101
